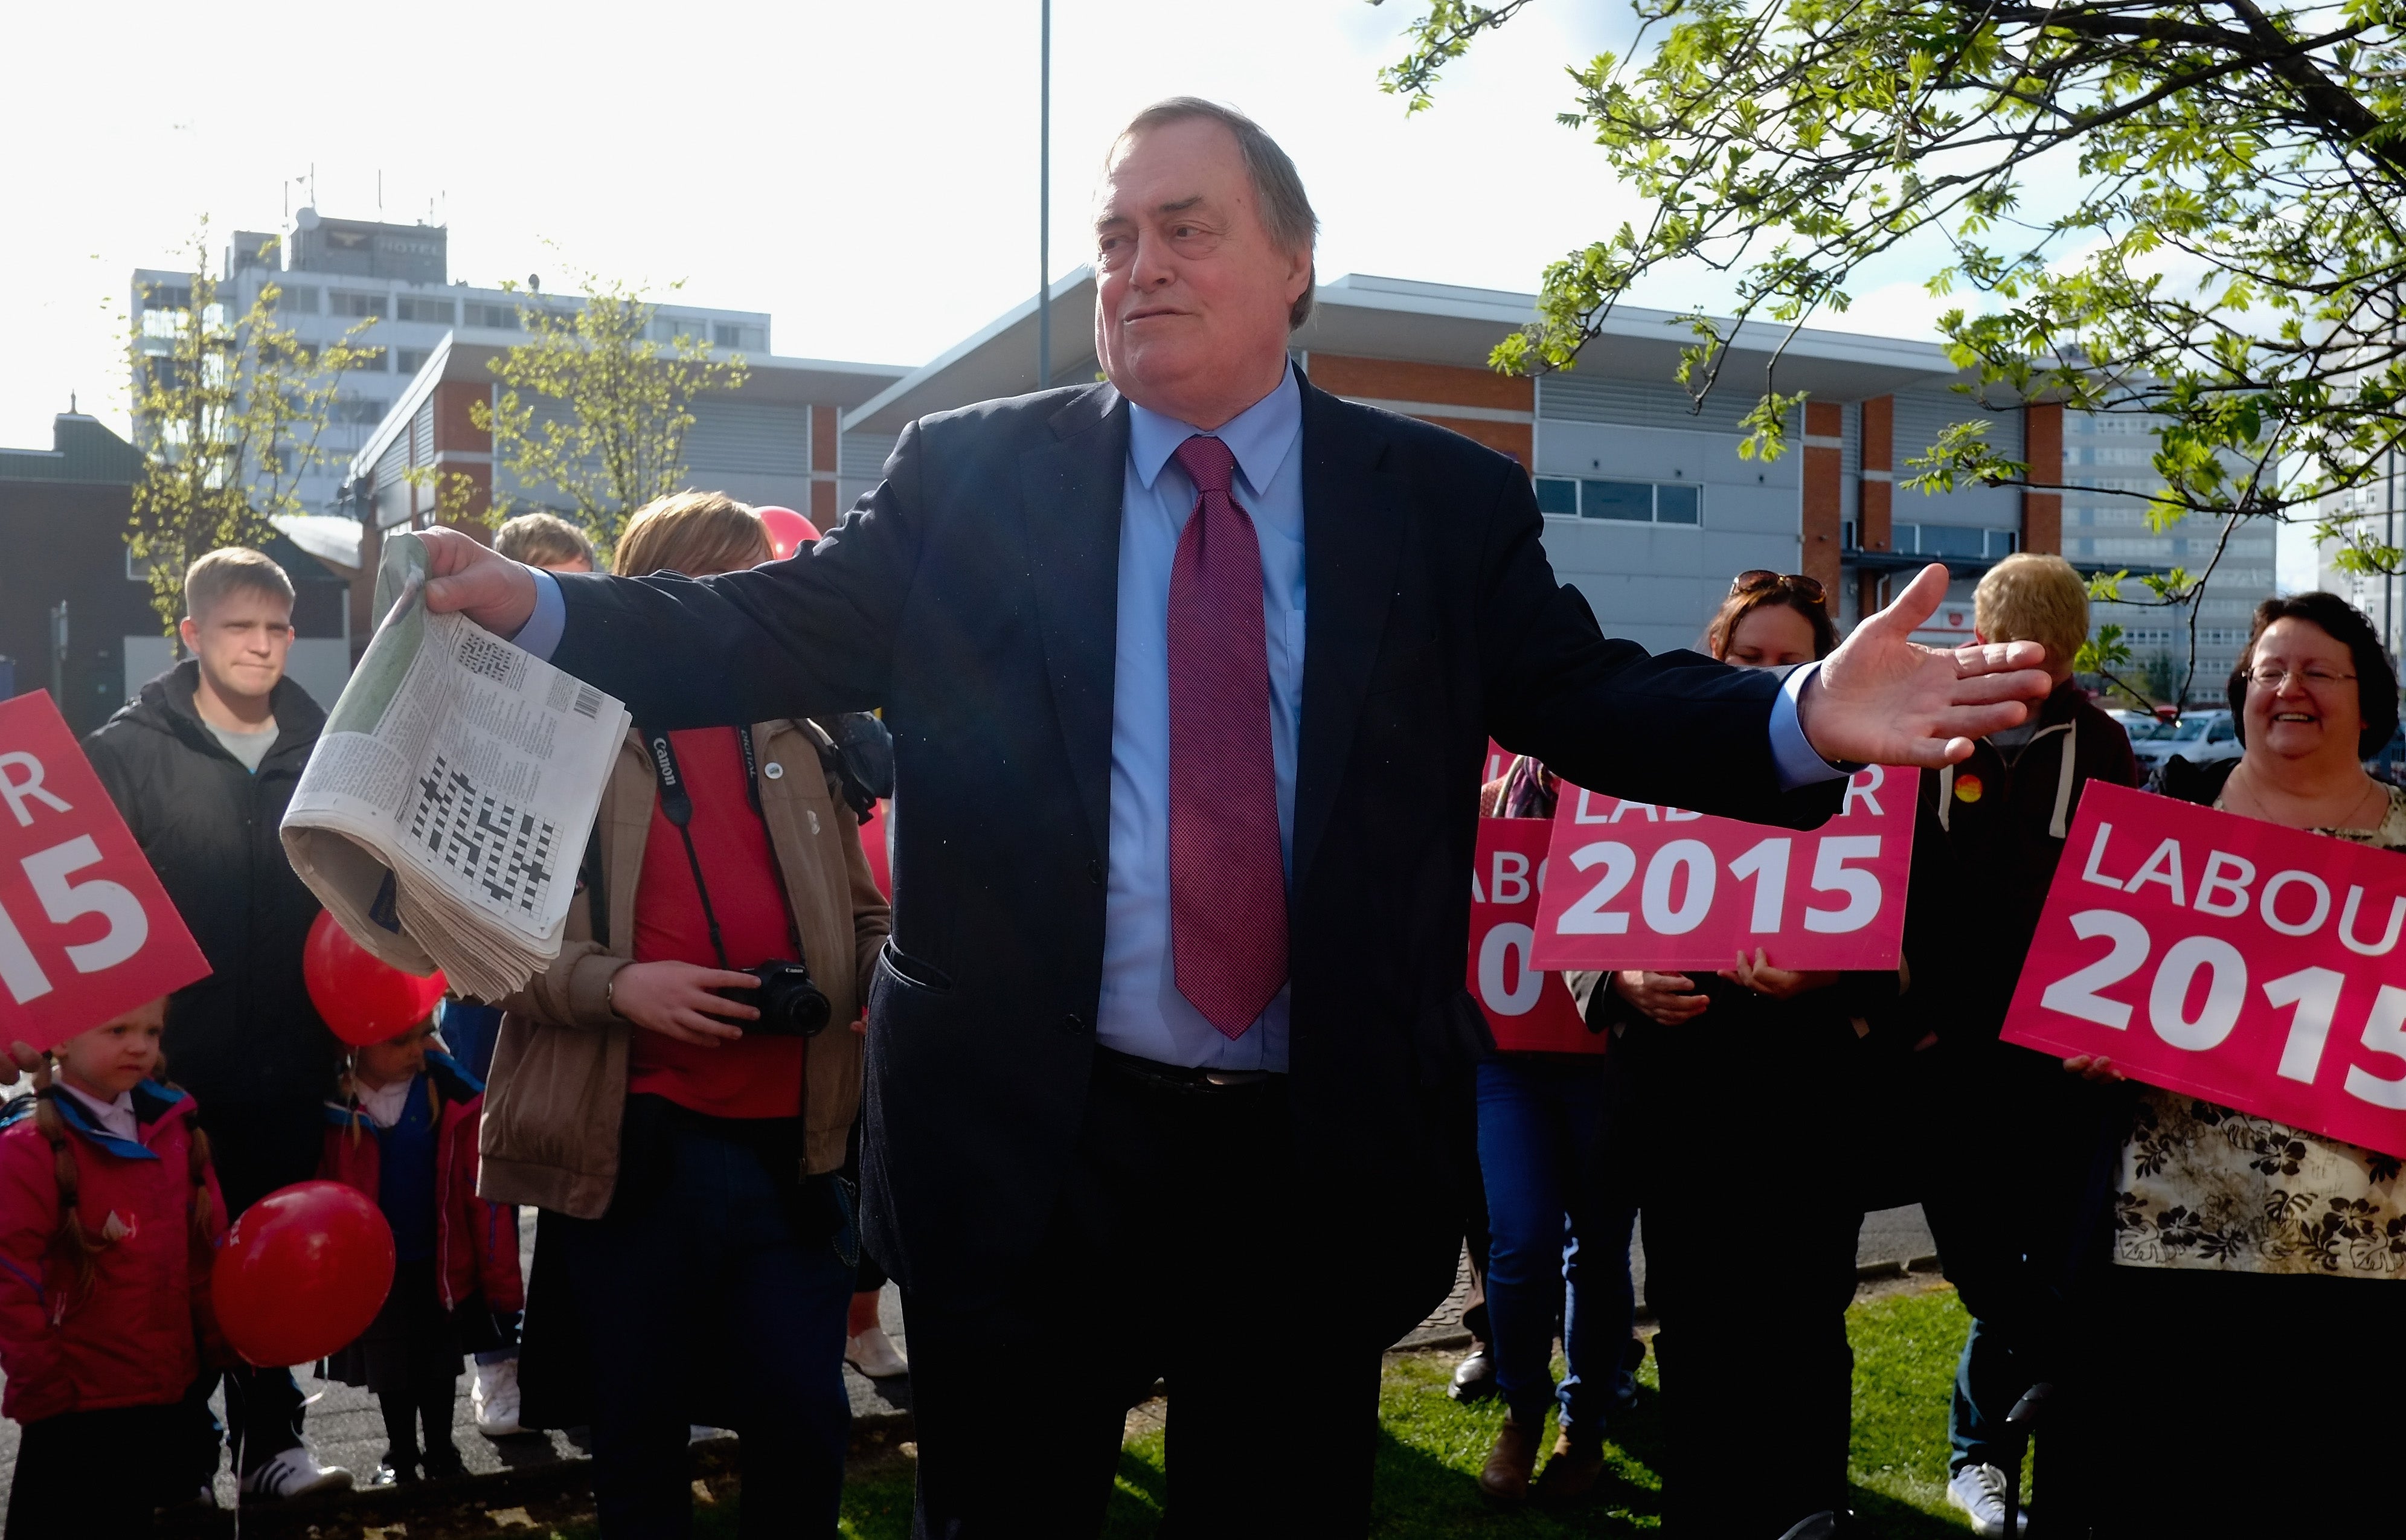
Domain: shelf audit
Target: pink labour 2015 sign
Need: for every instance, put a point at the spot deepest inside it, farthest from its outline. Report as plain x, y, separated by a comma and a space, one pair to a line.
1639, 885
2253, 965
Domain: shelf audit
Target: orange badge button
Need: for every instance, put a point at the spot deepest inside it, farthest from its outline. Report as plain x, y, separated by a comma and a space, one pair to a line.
1967, 788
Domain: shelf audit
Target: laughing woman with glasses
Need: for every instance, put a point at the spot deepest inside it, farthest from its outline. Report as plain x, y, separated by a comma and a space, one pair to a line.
2244, 1364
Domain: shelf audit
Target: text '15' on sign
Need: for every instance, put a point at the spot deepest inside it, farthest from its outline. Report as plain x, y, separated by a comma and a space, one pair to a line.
86, 932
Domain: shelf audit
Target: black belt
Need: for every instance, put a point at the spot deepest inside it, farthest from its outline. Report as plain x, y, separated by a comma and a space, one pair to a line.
1178, 1078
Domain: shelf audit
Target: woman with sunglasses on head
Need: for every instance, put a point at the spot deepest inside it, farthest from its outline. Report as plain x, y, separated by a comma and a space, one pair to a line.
2243, 1363
1738, 1104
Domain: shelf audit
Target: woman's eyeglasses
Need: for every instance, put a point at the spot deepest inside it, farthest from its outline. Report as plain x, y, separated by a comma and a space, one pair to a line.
2271, 675
1804, 587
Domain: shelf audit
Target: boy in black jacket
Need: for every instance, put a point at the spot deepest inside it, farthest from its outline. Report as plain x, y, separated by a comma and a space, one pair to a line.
2016, 1185
201, 764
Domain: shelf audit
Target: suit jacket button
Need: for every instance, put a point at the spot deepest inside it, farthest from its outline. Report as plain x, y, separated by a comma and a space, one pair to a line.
1074, 1025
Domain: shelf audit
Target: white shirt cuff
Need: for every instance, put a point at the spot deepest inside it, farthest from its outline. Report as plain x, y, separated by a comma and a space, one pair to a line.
543, 629
1791, 752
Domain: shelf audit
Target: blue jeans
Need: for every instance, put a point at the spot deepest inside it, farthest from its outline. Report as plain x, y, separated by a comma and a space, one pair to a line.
698, 1296
1557, 1242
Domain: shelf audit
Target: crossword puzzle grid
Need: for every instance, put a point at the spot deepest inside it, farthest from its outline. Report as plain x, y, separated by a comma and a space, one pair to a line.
506, 852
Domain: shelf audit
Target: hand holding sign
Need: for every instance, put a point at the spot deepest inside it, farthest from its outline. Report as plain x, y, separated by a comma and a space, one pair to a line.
2251, 965
86, 932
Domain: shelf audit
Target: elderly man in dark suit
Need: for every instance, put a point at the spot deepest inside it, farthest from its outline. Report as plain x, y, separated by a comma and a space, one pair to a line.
1189, 677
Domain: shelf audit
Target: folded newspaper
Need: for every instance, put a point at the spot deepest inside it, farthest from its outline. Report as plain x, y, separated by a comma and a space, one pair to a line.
443, 816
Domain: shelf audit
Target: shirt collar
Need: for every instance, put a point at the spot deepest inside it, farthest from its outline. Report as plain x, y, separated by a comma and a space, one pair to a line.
1260, 436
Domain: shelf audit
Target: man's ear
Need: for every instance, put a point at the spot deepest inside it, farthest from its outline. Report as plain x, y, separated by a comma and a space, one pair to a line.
188, 630
1979, 636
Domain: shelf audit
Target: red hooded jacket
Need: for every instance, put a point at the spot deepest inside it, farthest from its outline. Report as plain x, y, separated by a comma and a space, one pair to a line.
137, 1336
475, 1242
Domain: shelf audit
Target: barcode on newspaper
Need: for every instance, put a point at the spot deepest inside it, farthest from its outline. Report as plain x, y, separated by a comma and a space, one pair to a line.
492, 844
588, 701
496, 660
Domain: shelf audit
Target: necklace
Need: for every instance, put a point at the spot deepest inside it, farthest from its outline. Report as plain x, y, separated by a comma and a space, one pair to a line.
2244, 783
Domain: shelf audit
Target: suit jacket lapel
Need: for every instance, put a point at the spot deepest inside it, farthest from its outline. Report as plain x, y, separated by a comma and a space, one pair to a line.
1352, 504
1069, 492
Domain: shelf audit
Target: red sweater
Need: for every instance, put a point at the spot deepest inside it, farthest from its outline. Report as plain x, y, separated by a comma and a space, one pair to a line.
761, 1076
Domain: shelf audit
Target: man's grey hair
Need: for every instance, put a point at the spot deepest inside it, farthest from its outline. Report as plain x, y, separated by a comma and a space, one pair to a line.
1286, 211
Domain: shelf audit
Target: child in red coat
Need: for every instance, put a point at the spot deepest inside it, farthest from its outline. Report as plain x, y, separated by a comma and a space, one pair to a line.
401, 1128
109, 1217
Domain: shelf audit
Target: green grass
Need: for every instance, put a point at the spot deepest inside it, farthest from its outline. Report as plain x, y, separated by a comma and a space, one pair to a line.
1905, 1365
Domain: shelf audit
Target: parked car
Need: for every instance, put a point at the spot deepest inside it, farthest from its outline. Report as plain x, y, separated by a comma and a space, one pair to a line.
2199, 737
2140, 725
2388, 762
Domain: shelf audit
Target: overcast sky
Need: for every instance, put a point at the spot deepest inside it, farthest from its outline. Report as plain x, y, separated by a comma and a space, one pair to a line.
866, 172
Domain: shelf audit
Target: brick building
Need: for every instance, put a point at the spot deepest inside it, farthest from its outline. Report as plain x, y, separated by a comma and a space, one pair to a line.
1649, 507
75, 614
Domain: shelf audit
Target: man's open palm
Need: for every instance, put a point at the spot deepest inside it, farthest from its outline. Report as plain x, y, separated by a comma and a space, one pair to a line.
1885, 700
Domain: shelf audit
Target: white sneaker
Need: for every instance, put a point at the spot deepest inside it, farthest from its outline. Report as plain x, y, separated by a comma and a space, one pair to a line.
493, 1398
1979, 1490
873, 1353
294, 1473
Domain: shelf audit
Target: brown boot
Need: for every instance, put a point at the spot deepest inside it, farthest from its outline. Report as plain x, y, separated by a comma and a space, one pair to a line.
1573, 1470
1505, 1478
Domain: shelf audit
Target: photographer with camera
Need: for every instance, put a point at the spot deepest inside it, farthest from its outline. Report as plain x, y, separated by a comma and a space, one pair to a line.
674, 1094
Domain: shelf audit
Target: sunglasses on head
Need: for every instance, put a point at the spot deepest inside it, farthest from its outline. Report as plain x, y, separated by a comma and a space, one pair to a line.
1804, 587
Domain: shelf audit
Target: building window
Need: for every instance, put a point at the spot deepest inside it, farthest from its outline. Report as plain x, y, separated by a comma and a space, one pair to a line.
1964, 542
167, 296
293, 300
728, 334
1679, 502
369, 360
412, 359
419, 307
360, 409
499, 318
343, 303
1624, 502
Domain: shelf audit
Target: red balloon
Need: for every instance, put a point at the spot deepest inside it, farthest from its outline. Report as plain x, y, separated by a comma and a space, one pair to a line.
301, 1273
788, 531
363, 998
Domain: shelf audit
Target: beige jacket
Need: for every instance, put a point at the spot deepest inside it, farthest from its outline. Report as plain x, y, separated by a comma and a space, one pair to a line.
558, 1085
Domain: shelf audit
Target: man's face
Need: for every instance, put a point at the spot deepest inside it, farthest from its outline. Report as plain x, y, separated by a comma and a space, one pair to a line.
1193, 295
241, 641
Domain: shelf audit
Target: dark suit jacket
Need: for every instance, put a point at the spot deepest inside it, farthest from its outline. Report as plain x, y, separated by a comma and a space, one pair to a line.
972, 595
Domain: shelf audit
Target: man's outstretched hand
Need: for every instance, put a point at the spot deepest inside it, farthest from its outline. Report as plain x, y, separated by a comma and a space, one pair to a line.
1884, 700
466, 576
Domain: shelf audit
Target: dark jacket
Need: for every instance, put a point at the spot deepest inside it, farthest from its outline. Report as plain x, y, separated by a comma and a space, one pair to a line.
2184, 781
973, 594
246, 1036
2005, 814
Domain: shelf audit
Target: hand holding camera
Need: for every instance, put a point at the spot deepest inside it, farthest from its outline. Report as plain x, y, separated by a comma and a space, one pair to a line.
684, 1000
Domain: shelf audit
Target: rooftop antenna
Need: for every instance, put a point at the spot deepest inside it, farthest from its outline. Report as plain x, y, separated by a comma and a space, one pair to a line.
312, 184
379, 193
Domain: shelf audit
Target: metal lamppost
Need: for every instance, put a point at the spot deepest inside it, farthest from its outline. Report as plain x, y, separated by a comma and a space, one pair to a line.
1044, 200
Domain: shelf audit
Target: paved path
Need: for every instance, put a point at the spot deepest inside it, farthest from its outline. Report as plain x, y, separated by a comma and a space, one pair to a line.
346, 1429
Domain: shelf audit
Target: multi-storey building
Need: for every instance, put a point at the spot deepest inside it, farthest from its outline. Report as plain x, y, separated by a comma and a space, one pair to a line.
2108, 465
2377, 511
387, 287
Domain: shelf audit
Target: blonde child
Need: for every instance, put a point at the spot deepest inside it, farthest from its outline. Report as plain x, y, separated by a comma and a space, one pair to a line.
109, 1215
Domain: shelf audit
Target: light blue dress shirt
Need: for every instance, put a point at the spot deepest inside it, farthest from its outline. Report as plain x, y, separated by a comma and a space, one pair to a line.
1142, 1011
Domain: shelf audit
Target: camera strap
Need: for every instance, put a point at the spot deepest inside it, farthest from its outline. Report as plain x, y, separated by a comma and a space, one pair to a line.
676, 805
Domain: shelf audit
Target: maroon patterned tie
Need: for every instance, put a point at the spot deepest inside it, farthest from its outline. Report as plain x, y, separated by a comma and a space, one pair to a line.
1228, 880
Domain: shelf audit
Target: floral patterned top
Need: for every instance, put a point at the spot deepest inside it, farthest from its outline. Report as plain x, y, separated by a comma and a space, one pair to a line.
2202, 1186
